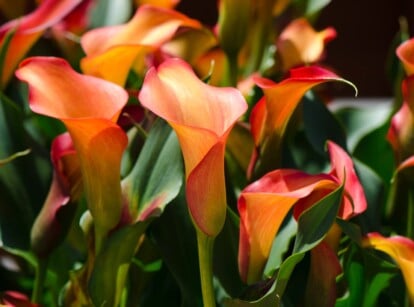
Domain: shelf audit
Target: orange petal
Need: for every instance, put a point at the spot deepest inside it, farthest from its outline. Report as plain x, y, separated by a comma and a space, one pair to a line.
202, 116
74, 96
282, 98
100, 144
401, 249
342, 168
149, 28
405, 53
160, 3
263, 205
300, 44
89, 107
29, 28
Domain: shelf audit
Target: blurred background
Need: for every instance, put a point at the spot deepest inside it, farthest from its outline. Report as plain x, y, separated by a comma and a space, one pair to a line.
364, 43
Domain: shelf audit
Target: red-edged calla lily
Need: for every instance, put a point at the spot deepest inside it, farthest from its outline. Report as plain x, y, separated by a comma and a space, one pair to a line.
401, 250
300, 44
89, 108
112, 51
202, 116
405, 53
270, 116
402, 123
263, 205
342, 168
28, 29
53, 220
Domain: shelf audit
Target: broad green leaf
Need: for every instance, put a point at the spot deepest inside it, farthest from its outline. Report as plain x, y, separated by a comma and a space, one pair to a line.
112, 264
358, 121
375, 151
157, 175
314, 223
175, 237
321, 125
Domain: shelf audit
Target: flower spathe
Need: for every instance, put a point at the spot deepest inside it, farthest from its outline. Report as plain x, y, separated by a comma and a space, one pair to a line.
405, 53
202, 116
112, 51
28, 29
300, 44
89, 108
401, 249
264, 204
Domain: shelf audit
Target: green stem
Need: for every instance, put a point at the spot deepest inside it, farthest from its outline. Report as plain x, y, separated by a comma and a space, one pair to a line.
231, 71
205, 257
41, 270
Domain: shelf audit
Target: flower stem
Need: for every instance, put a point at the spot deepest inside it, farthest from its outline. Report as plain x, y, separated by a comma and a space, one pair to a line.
231, 70
39, 280
205, 245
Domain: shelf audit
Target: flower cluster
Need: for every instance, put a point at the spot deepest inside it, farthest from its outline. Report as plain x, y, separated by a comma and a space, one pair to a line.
150, 159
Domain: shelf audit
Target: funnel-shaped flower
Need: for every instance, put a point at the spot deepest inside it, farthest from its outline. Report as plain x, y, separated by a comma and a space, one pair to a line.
401, 249
300, 44
202, 116
264, 204
270, 116
28, 29
405, 53
53, 220
89, 107
112, 51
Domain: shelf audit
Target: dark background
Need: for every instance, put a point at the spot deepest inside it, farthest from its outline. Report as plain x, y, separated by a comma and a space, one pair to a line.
366, 30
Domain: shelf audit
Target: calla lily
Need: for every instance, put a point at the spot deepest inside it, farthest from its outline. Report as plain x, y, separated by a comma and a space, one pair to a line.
300, 44
405, 53
402, 123
401, 249
28, 29
14, 298
53, 220
202, 116
112, 51
270, 116
264, 204
89, 107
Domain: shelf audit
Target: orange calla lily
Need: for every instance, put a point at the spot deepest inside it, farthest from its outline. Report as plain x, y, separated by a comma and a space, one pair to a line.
270, 116
89, 107
300, 44
112, 51
202, 116
401, 249
28, 29
263, 205
405, 53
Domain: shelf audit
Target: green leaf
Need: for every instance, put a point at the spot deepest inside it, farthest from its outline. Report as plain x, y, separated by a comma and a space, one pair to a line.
111, 264
157, 175
314, 223
321, 125
175, 237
